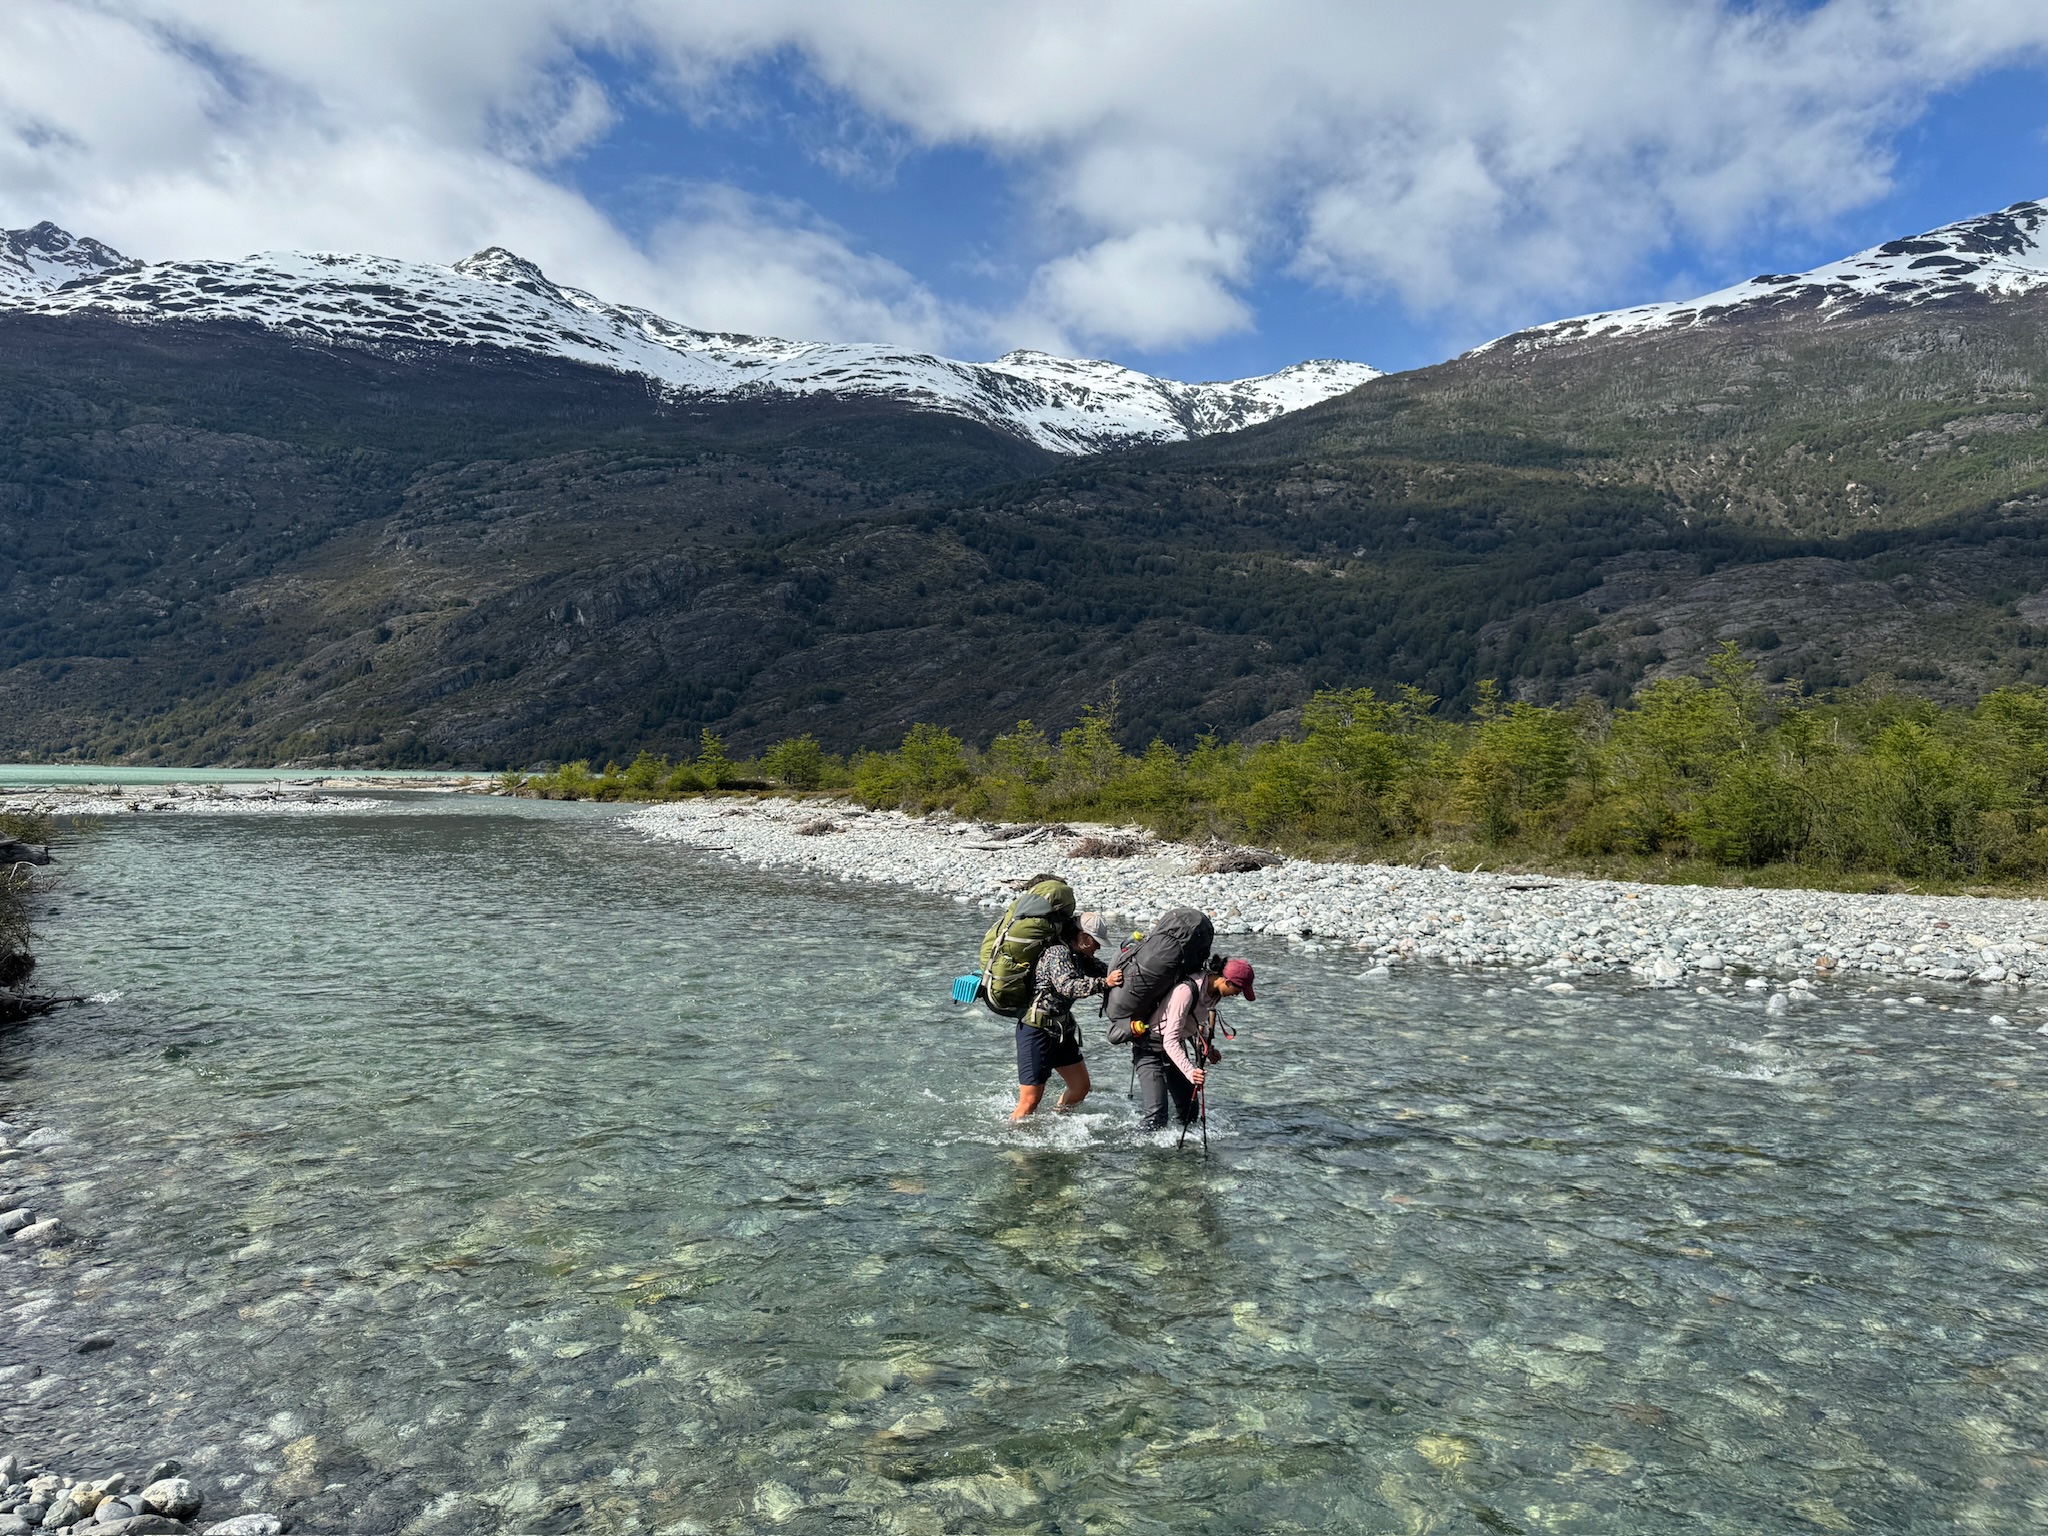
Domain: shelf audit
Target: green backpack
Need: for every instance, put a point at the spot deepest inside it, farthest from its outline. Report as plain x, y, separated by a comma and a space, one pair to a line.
1012, 946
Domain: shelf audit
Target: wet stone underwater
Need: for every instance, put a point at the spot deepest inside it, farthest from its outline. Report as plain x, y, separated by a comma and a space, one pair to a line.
475, 1166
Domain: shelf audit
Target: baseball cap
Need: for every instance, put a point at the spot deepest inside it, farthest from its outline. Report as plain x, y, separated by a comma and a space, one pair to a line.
1239, 974
1096, 926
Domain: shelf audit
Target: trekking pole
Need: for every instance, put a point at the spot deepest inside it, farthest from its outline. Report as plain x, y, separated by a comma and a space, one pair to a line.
1201, 1095
1207, 1040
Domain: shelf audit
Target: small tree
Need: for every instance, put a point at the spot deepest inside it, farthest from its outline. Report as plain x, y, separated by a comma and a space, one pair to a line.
1090, 758
1023, 755
798, 763
644, 777
1521, 762
1019, 766
712, 763
878, 778
934, 761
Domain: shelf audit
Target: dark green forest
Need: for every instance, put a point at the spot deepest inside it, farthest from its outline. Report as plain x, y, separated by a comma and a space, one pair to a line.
222, 545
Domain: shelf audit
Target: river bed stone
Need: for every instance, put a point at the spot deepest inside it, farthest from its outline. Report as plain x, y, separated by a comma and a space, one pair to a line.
1398, 914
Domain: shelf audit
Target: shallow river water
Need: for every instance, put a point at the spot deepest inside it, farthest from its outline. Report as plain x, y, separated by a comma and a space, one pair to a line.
476, 1166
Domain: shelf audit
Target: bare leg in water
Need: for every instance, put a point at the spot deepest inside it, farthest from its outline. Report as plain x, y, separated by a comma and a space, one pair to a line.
1074, 1086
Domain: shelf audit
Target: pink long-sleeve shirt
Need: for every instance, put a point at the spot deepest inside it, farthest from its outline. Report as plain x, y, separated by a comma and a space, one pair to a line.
1185, 1011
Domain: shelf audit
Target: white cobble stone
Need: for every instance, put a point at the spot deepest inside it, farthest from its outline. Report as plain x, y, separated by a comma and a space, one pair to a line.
1660, 934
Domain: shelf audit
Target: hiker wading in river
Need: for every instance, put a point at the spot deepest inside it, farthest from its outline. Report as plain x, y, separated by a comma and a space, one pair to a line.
1048, 1039
1173, 1054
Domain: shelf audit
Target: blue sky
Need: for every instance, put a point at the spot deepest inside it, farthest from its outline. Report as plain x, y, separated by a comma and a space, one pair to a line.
1202, 188
953, 215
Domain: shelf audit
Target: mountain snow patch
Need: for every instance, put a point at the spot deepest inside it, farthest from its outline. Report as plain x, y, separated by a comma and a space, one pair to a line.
496, 299
1995, 255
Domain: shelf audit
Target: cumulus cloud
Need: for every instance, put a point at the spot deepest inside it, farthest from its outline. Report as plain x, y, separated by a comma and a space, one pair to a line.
1467, 157
764, 267
185, 128
1158, 287
1470, 159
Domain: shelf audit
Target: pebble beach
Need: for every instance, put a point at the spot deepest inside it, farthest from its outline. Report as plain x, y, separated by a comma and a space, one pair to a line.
1564, 931
185, 799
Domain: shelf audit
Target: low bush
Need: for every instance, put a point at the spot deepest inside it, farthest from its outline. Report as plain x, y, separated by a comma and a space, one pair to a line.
1695, 774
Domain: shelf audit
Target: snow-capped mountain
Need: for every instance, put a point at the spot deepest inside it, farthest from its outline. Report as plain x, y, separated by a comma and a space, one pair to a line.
1995, 255
496, 299
34, 261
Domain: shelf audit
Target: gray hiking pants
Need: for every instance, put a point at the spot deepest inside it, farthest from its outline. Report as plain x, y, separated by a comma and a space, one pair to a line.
1158, 1081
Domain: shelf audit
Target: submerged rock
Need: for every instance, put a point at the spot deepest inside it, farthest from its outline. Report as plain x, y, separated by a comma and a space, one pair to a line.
173, 1496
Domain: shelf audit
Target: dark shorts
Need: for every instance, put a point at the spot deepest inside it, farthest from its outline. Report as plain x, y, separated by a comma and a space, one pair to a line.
1040, 1053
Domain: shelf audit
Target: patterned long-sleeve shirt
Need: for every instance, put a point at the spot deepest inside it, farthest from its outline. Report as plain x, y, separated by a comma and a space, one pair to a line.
1061, 980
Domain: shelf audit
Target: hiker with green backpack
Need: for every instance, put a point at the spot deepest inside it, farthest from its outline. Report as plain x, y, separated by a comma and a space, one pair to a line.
1048, 1039
1015, 984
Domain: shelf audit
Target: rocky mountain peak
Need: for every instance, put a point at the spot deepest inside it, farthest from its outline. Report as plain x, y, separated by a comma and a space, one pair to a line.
495, 264
39, 260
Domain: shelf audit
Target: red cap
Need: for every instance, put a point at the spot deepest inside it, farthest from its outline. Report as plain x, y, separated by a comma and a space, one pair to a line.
1239, 974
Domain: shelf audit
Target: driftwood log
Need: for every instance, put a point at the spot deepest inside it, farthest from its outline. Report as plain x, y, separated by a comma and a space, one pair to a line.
1235, 861
14, 851
17, 1006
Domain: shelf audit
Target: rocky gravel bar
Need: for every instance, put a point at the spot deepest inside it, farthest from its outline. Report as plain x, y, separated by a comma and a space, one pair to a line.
159, 1503
189, 799
1560, 929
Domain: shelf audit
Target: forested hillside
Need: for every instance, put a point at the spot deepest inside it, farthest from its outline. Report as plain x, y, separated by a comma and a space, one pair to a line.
219, 544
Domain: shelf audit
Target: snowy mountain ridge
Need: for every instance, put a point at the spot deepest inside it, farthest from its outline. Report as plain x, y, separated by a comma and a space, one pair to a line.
34, 261
497, 299
1994, 255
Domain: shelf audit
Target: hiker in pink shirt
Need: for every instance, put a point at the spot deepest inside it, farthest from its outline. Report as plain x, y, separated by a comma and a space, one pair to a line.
1173, 1054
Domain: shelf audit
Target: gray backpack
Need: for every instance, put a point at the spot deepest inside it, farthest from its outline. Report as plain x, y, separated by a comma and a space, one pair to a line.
1177, 948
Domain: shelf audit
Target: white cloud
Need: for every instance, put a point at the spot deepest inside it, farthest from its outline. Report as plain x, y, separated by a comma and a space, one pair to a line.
215, 129
1159, 287
1470, 158
764, 268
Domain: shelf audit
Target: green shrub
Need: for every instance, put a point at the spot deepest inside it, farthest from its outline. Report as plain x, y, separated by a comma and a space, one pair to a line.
713, 766
798, 763
1711, 768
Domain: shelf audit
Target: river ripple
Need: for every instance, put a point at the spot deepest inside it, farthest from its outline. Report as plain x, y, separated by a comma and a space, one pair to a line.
476, 1166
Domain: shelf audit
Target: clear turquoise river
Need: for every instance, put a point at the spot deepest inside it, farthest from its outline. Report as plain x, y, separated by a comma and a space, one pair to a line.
474, 1166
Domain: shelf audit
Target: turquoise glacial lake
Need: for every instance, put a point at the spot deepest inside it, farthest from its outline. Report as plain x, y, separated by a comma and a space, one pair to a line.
476, 1166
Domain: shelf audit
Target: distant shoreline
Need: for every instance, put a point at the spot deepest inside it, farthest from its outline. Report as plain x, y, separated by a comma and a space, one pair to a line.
1564, 928
336, 792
